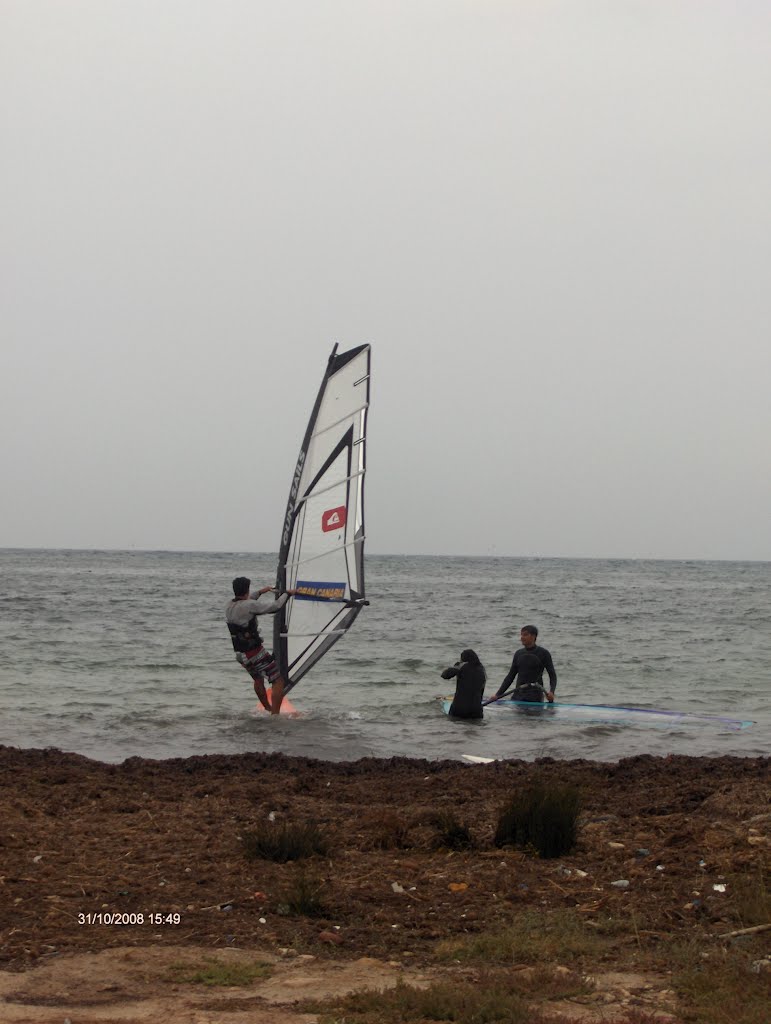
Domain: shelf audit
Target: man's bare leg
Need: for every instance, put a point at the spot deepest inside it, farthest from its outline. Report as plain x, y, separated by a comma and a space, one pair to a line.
259, 689
276, 696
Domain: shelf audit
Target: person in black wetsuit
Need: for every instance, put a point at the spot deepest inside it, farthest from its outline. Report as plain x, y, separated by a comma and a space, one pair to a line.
528, 667
470, 686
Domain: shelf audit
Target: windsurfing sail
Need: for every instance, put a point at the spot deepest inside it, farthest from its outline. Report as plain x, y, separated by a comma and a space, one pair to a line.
321, 554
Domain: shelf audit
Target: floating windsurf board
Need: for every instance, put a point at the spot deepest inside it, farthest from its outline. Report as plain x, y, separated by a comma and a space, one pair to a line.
608, 714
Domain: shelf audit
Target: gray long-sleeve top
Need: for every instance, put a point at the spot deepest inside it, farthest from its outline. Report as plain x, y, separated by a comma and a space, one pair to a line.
240, 611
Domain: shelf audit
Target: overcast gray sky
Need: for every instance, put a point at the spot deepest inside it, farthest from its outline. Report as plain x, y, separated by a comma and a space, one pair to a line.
552, 220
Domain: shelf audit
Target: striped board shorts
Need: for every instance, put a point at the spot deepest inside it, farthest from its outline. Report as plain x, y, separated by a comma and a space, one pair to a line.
259, 663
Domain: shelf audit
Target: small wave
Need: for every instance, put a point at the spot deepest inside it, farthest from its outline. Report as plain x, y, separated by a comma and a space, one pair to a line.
161, 666
604, 729
379, 683
154, 721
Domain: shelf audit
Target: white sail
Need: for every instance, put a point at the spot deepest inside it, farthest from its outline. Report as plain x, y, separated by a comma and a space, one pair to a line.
322, 539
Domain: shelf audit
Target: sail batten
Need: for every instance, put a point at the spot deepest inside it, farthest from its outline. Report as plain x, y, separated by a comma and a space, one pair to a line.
313, 558
345, 479
322, 538
344, 419
323, 632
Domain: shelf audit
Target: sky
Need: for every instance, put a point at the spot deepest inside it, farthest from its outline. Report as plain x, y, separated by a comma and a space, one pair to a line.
550, 218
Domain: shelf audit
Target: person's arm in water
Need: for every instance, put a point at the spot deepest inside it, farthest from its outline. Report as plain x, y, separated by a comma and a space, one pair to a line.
548, 664
506, 682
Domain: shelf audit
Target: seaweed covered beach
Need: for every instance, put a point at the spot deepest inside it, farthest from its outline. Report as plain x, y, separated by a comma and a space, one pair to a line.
159, 864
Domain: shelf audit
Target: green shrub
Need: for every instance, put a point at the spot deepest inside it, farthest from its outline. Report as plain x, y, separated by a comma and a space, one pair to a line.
454, 1001
751, 898
388, 831
302, 896
532, 937
214, 973
724, 991
543, 817
282, 843
451, 833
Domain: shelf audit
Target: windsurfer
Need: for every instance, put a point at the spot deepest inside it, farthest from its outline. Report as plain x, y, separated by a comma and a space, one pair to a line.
528, 666
241, 616
470, 686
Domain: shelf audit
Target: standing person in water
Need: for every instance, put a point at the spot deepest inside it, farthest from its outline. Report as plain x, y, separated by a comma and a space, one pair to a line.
241, 616
470, 686
528, 667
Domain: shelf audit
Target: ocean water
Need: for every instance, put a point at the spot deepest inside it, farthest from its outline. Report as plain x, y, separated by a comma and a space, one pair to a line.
114, 654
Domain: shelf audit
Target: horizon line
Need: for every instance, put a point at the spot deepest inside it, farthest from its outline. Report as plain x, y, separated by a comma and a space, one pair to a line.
397, 554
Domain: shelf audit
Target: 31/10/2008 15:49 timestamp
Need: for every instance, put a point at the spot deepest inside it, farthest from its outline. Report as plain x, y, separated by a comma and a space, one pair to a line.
127, 918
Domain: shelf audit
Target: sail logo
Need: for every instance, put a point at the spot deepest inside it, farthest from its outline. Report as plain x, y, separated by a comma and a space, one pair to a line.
314, 591
333, 519
298, 470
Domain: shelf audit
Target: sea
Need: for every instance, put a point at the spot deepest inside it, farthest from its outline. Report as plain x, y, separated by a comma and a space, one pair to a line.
119, 654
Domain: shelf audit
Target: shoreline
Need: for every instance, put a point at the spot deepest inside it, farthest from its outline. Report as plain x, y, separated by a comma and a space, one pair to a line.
370, 761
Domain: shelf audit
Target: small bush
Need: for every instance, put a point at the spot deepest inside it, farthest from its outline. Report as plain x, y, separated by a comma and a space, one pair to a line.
751, 899
543, 817
724, 991
282, 843
215, 973
494, 1001
451, 833
532, 937
302, 896
388, 832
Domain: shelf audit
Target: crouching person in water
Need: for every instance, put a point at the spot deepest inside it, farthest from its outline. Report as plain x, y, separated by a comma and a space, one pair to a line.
470, 686
241, 616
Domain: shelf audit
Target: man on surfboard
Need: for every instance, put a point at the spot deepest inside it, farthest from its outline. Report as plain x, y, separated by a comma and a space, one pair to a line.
527, 667
241, 616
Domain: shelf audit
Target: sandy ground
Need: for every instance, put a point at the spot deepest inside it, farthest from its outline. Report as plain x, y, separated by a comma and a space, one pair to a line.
85, 846
139, 985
